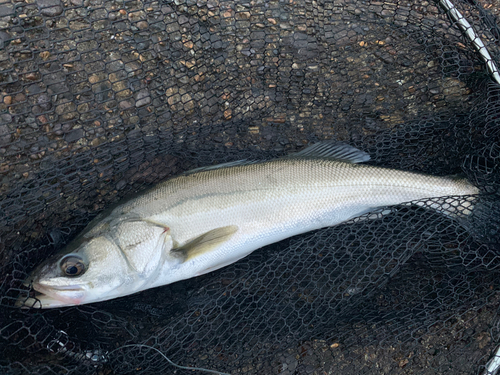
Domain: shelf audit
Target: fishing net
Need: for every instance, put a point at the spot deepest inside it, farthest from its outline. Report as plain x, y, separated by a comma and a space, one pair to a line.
101, 99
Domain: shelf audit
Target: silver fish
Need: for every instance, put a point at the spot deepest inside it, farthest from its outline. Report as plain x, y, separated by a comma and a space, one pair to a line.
208, 218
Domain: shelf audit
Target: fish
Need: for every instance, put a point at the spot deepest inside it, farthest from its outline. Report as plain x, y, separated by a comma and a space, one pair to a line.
210, 217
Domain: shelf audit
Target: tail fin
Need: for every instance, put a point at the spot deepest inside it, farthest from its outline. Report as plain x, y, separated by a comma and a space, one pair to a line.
479, 214
458, 207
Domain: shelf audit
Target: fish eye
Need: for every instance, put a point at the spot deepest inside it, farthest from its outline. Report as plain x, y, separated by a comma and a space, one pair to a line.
72, 265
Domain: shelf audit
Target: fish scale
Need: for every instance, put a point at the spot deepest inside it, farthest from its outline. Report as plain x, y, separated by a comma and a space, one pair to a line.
274, 200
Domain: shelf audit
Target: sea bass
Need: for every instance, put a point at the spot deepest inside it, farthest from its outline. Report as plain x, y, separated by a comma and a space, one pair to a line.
210, 217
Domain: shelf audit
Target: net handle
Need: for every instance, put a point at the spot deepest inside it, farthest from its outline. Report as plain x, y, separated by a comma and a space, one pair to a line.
469, 32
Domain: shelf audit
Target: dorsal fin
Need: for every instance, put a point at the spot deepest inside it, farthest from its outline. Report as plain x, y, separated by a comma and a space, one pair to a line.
333, 150
325, 149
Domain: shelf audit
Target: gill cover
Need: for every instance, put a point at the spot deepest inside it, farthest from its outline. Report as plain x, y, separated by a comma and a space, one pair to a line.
142, 243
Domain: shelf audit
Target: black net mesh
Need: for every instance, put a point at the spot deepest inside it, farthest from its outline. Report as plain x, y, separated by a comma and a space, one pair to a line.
100, 99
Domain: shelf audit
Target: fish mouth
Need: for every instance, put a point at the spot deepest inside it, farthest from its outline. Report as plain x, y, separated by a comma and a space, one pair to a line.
47, 297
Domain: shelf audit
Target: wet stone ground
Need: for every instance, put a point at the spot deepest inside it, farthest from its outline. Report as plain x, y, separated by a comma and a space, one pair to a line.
100, 99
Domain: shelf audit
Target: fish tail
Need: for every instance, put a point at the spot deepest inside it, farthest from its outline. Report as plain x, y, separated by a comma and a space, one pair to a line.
457, 206
457, 200
476, 209
479, 214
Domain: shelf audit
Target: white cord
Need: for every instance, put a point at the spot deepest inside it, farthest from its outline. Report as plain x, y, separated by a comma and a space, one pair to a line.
168, 360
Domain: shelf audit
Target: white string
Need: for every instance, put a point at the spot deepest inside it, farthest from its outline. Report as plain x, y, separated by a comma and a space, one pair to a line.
168, 360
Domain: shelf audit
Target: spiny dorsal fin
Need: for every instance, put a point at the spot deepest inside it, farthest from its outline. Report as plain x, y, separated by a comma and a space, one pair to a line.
334, 150
206, 242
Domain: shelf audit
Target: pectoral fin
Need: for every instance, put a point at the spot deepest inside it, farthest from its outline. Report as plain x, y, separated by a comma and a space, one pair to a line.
206, 242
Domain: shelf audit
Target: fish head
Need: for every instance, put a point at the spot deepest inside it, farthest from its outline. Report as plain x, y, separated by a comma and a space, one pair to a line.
98, 268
